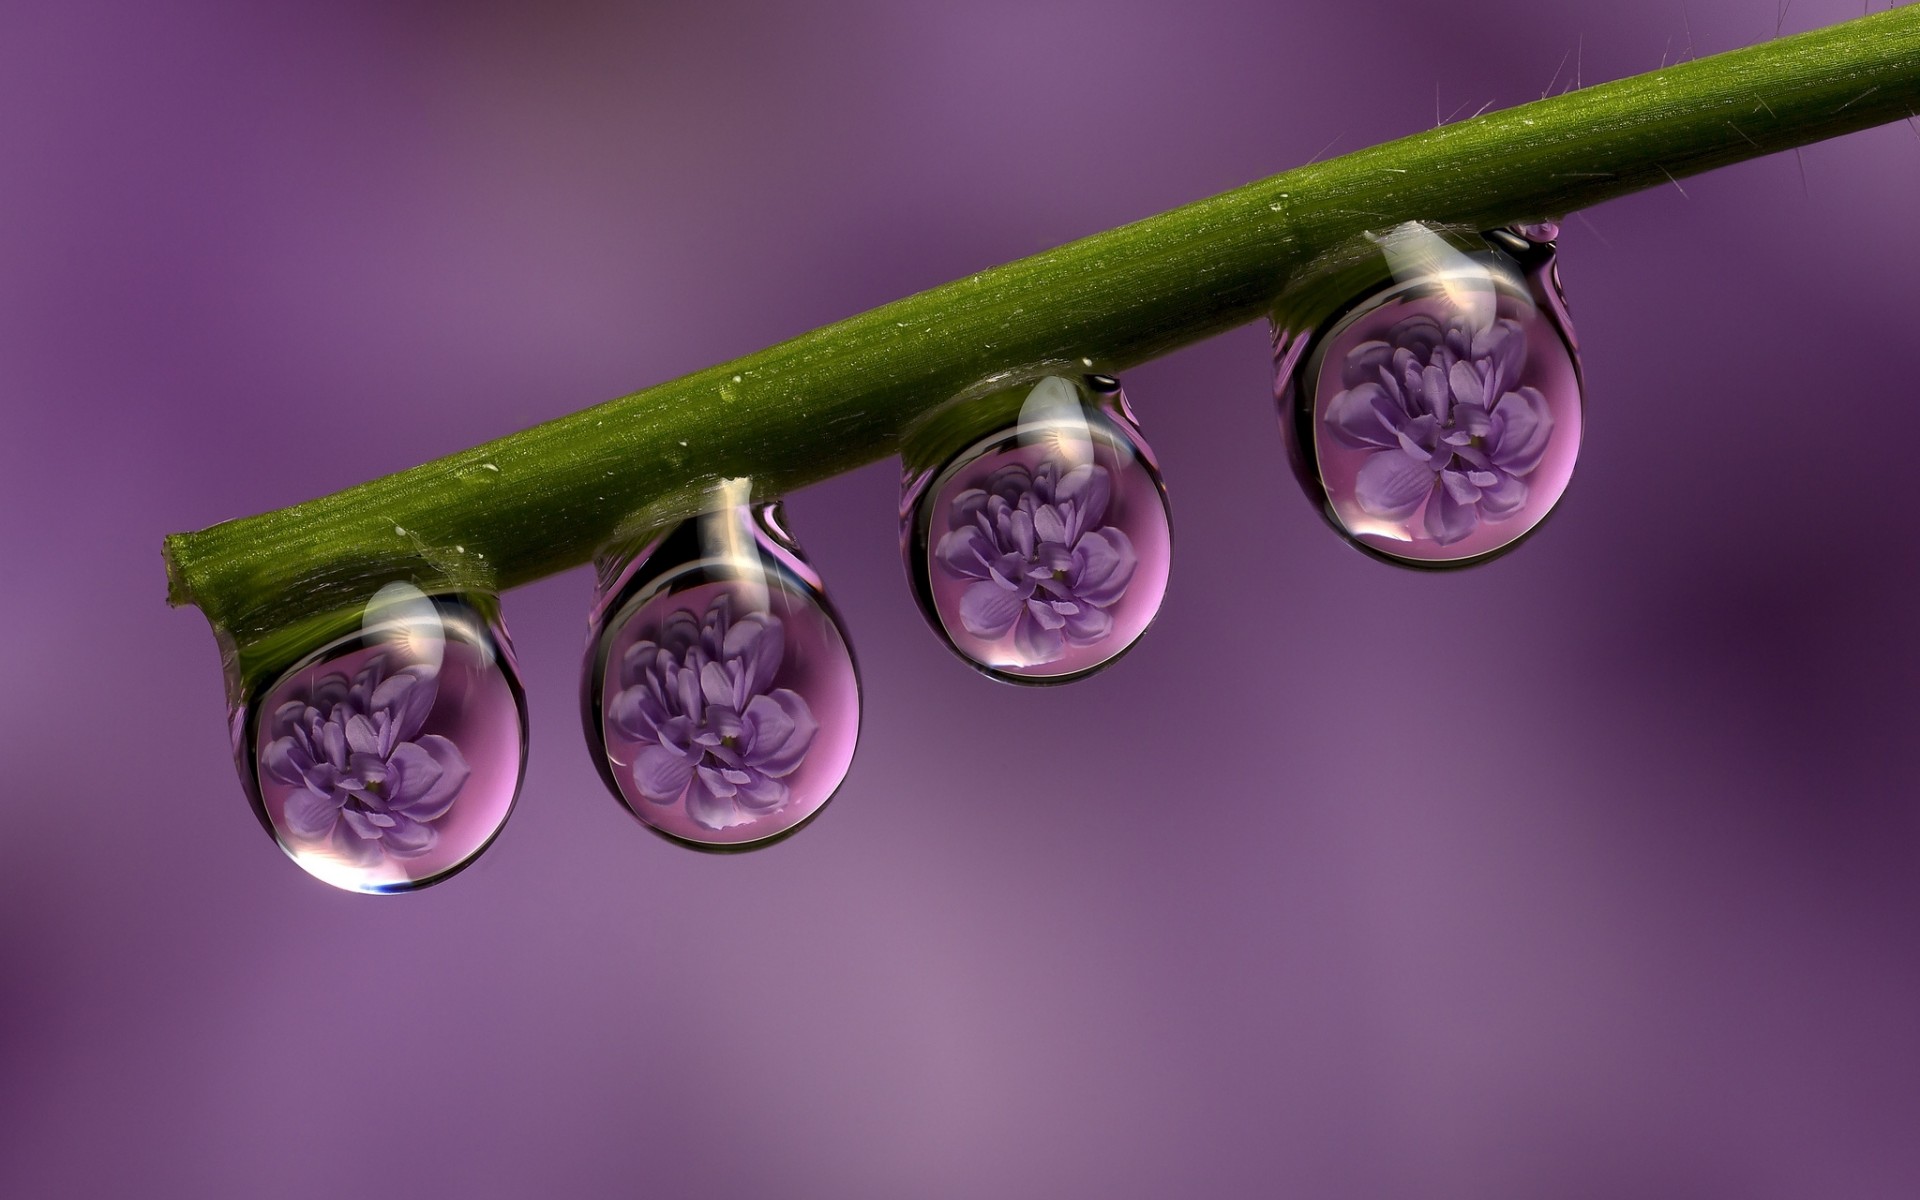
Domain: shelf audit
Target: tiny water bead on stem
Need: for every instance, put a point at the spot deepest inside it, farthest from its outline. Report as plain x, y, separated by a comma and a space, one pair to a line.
1034, 528
719, 696
1434, 415
388, 758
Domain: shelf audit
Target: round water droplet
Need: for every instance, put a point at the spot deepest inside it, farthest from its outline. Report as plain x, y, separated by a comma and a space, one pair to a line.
389, 758
1035, 528
1436, 418
720, 697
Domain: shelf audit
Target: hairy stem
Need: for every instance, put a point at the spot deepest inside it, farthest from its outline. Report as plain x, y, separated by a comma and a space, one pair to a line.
542, 500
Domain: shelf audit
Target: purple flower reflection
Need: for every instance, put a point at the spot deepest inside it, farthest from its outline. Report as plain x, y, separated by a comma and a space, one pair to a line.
713, 728
1047, 567
369, 783
1438, 407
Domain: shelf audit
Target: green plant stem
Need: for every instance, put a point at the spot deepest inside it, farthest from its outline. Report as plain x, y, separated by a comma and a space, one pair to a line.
542, 500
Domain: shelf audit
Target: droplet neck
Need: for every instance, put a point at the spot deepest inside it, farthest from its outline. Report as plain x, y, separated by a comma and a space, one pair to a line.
736, 541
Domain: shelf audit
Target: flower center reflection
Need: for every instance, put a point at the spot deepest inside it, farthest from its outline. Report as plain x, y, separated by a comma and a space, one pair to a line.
714, 733
1045, 564
1439, 408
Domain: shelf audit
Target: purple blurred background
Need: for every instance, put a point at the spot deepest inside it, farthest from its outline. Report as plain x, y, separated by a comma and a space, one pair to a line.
1589, 873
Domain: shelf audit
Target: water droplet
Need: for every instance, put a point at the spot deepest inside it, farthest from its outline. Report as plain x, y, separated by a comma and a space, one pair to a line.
1434, 419
720, 696
388, 758
1035, 528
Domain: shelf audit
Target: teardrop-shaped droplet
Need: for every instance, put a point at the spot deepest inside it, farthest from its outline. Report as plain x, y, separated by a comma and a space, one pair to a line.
1035, 528
1435, 419
721, 701
388, 758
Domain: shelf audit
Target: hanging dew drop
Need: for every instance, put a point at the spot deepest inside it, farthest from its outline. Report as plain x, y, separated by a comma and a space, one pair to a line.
390, 757
720, 697
1035, 528
1436, 418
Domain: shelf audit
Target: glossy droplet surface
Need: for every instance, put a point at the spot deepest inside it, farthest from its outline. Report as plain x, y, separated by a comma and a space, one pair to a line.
1039, 545
1438, 419
388, 759
721, 701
